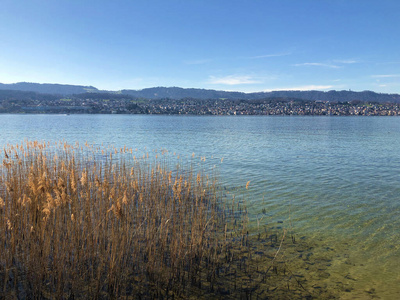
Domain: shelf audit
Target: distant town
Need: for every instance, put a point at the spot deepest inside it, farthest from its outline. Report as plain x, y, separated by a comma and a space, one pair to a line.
35, 98
273, 106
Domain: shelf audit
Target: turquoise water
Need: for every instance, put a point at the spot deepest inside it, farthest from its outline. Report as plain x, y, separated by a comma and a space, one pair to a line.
337, 178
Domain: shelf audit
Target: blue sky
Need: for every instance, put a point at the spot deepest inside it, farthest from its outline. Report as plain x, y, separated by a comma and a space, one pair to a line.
249, 46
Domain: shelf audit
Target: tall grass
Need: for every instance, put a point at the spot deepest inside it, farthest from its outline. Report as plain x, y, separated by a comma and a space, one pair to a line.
84, 222
79, 221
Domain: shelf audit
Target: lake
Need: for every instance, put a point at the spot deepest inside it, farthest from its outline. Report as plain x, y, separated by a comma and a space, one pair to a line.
336, 178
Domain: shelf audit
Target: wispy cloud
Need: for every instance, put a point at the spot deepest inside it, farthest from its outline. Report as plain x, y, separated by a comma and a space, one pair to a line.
346, 61
269, 55
303, 88
316, 64
386, 76
233, 80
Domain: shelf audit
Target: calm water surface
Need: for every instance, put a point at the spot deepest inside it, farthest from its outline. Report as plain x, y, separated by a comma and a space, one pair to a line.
337, 178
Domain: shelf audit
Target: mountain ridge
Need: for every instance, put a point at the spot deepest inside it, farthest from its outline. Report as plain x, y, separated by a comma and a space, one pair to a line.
196, 93
47, 88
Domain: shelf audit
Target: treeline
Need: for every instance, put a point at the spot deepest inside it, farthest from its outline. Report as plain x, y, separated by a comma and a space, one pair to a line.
20, 97
10, 95
178, 93
48, 88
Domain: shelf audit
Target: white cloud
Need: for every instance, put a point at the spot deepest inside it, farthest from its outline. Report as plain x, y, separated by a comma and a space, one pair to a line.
345, 61
386, 76
269, 55
318, 65
233, 80
303, 88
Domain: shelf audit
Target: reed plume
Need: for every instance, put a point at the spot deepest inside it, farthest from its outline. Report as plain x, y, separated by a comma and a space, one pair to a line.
78, 221
101, 223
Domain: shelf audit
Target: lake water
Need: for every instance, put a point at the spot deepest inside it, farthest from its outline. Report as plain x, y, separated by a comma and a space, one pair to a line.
337, 178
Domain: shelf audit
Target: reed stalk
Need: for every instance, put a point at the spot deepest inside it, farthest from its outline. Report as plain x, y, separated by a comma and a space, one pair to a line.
79, 220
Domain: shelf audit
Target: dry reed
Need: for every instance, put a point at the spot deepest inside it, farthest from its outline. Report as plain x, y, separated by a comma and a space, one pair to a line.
78, 220
84, 222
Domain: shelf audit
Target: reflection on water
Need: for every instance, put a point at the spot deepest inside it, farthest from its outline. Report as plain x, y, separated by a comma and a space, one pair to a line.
336, 178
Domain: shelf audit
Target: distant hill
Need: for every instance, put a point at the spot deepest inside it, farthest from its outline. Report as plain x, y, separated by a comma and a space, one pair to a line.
48, 88
181, 93
25, 95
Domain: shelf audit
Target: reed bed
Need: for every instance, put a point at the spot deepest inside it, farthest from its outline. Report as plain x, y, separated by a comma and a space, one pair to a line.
78, 221
102, 223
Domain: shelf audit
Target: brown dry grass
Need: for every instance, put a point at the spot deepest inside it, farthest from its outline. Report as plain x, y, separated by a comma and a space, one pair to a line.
98, 223
78, 220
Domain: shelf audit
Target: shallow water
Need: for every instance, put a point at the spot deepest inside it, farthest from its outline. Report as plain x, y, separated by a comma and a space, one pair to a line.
336, 178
